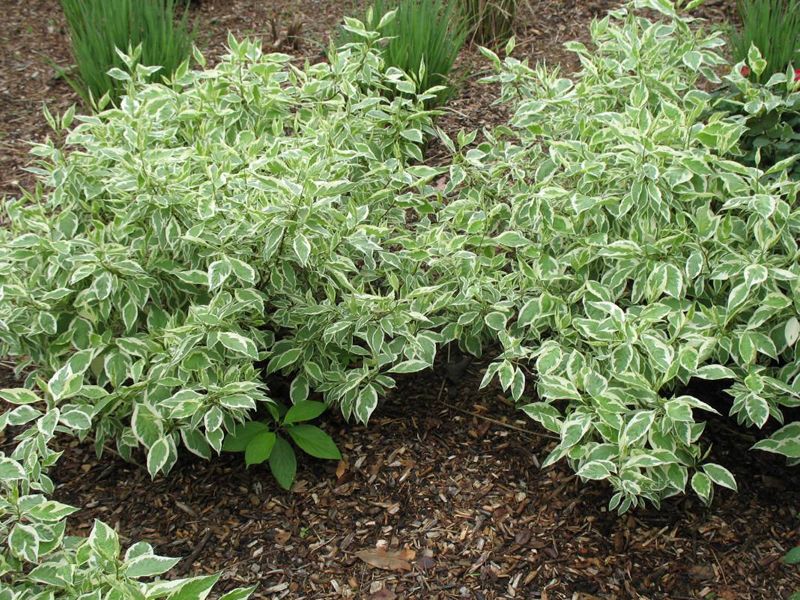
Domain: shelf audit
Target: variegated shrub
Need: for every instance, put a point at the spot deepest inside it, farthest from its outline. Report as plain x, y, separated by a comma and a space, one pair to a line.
638, 256
261, 218
38, 561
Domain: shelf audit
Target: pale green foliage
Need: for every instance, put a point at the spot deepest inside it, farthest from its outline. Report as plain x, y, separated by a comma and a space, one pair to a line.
180, 234
189, 230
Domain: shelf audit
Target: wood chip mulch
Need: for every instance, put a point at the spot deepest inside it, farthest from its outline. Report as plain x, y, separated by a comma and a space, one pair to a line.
444, 493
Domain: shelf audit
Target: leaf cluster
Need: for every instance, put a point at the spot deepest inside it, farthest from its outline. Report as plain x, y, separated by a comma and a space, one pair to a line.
261, 442
770, 112
38, 559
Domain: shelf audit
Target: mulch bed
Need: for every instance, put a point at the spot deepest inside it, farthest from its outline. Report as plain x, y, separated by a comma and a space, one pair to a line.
446, 478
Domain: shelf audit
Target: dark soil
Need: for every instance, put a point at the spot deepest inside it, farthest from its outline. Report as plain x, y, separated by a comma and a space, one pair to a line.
453, 484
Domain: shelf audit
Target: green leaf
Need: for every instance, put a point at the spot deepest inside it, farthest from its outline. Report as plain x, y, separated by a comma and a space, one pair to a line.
303, 411
104, 540
714, 372
239, 593
409, 366
757, 409
218, 273
242, 270
720, 475
496, 320
238, 343
366, 403
240, 437
196, 588
11, 470
512, 239
793, 556
149, 566
19, 396
314, 441
259, 448
283, 463
637, 427
157, 456
283, 360
693, 59
701, 484
24, 542
413, 135
302, 248
51, 511
596, 470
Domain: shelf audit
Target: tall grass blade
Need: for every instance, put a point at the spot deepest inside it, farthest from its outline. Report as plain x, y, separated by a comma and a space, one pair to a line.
98, 28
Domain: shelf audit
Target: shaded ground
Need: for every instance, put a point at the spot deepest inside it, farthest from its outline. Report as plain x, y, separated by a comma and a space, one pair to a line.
455, 481
465, 494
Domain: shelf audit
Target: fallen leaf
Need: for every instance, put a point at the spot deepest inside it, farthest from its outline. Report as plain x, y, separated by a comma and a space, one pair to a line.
382, 594
340, 469
282, 536
523, 537
701, 572
389, 560
426, 562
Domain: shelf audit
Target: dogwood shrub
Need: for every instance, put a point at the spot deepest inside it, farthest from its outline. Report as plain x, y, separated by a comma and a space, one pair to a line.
639, 256
37, 559
258, 218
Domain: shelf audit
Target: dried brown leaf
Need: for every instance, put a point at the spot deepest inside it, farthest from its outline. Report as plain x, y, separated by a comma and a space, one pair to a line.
382, 594
388, 560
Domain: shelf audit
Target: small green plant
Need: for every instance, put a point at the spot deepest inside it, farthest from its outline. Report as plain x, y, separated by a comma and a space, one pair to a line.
489, 21
423, 39
100, 28
773, 26
261, 441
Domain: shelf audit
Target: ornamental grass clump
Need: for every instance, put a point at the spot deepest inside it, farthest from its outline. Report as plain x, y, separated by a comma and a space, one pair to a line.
489, 21
100, 29
421, 38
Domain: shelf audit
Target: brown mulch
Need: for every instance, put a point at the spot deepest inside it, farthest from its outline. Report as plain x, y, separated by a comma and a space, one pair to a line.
452, 487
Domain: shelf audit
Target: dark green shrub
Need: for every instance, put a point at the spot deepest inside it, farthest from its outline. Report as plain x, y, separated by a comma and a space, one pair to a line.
98, 28
773, 26
425, 37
